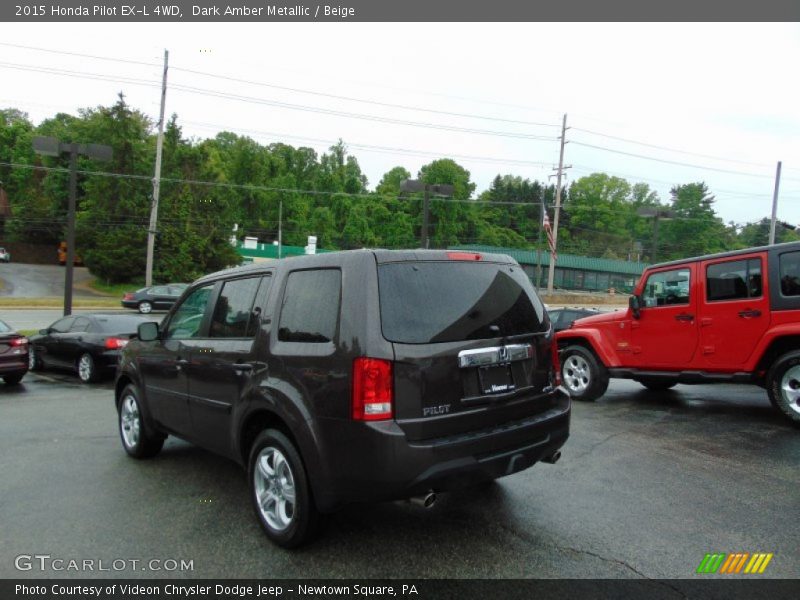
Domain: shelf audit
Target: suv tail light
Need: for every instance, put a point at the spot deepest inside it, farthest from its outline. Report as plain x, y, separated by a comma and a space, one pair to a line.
556, 364
22, 341
373, 389
114, 343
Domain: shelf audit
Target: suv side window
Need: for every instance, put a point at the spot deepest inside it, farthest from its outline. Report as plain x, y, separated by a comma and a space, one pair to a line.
310, 307
233, 314
188, 317
667, 288
733, 280
790, 274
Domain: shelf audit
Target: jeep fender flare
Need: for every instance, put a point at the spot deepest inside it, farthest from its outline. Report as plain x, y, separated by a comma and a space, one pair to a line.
591, 338
776, 341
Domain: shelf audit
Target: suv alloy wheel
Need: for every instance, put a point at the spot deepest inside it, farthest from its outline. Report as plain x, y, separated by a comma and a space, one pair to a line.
280, 491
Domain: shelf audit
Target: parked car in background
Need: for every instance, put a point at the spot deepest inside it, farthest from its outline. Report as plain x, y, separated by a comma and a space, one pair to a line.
87, 344
563, 318
13, 354
5, 255
351, 377
157, 297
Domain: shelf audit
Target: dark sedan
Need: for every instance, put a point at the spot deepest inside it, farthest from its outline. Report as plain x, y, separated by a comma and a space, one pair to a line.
563, 318
13, 354
157, 297
86, 344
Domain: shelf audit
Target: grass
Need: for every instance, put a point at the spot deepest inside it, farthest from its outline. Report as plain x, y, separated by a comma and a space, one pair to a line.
53, 302
115, 289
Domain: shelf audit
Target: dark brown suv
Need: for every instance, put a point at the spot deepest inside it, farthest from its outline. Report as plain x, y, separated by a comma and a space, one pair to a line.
351, 376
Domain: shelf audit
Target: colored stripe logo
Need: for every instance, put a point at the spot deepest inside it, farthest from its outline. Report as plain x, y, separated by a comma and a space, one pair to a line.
735, 563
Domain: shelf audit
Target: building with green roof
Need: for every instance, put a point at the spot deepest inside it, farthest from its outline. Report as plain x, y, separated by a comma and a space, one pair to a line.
580, 273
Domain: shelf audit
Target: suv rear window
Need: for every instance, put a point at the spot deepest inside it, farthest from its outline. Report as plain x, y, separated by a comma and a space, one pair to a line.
426, 302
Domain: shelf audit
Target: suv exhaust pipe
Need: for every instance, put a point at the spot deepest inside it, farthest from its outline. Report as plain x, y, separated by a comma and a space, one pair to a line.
425, 501
553, 458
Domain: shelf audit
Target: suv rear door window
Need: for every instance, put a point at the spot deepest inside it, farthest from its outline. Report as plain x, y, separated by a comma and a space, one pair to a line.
790, 274
424, 302
734, 280
233, 312
310, 307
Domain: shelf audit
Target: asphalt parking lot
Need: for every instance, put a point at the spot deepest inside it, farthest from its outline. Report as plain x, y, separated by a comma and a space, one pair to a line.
647, 485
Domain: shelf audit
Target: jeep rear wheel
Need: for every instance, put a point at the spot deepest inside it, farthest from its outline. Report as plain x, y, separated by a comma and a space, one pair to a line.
783, 385
583, 374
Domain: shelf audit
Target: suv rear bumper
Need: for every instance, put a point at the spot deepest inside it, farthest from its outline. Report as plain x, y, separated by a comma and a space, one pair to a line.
365, 462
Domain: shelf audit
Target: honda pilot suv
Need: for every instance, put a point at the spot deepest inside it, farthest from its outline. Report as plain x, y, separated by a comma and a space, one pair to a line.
351, 376
731, 317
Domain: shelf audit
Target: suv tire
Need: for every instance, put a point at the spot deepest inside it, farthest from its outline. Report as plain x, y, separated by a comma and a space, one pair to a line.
137, 438
583, 374
657, 385
783, 385
280, 490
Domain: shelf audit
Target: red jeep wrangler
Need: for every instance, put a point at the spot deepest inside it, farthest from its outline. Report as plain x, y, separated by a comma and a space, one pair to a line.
732, 317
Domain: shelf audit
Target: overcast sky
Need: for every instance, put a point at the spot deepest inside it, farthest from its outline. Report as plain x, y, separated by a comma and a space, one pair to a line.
721, 99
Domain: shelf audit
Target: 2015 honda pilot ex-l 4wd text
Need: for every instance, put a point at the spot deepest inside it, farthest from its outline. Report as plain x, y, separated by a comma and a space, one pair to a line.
351, 376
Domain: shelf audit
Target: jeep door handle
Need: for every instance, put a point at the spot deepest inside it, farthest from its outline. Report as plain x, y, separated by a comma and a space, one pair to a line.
749, 314
684, 317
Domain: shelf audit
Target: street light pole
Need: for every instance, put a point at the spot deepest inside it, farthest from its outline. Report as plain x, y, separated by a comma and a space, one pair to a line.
73, 191
49, 146
416, 185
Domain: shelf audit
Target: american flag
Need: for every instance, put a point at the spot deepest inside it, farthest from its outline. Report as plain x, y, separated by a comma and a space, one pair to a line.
549, 231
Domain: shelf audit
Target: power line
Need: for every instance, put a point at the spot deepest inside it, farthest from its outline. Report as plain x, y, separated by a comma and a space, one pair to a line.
254, 187
630, 141
364, 101
278, 104
79, 55
670, 162
372, 148
361, 116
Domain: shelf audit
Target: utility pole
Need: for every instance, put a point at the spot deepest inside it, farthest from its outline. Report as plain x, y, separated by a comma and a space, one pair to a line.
151, 232
539, 242
775, 204
552, 271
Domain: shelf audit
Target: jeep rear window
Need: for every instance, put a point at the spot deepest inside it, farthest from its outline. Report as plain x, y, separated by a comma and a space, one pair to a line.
424, 302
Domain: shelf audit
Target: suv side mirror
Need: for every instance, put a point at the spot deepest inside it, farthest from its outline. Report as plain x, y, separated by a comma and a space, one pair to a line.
635, 305
147, 332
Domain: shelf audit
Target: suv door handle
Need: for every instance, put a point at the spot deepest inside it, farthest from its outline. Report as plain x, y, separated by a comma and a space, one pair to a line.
242, 367
748, 314
181, 362
684, 317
